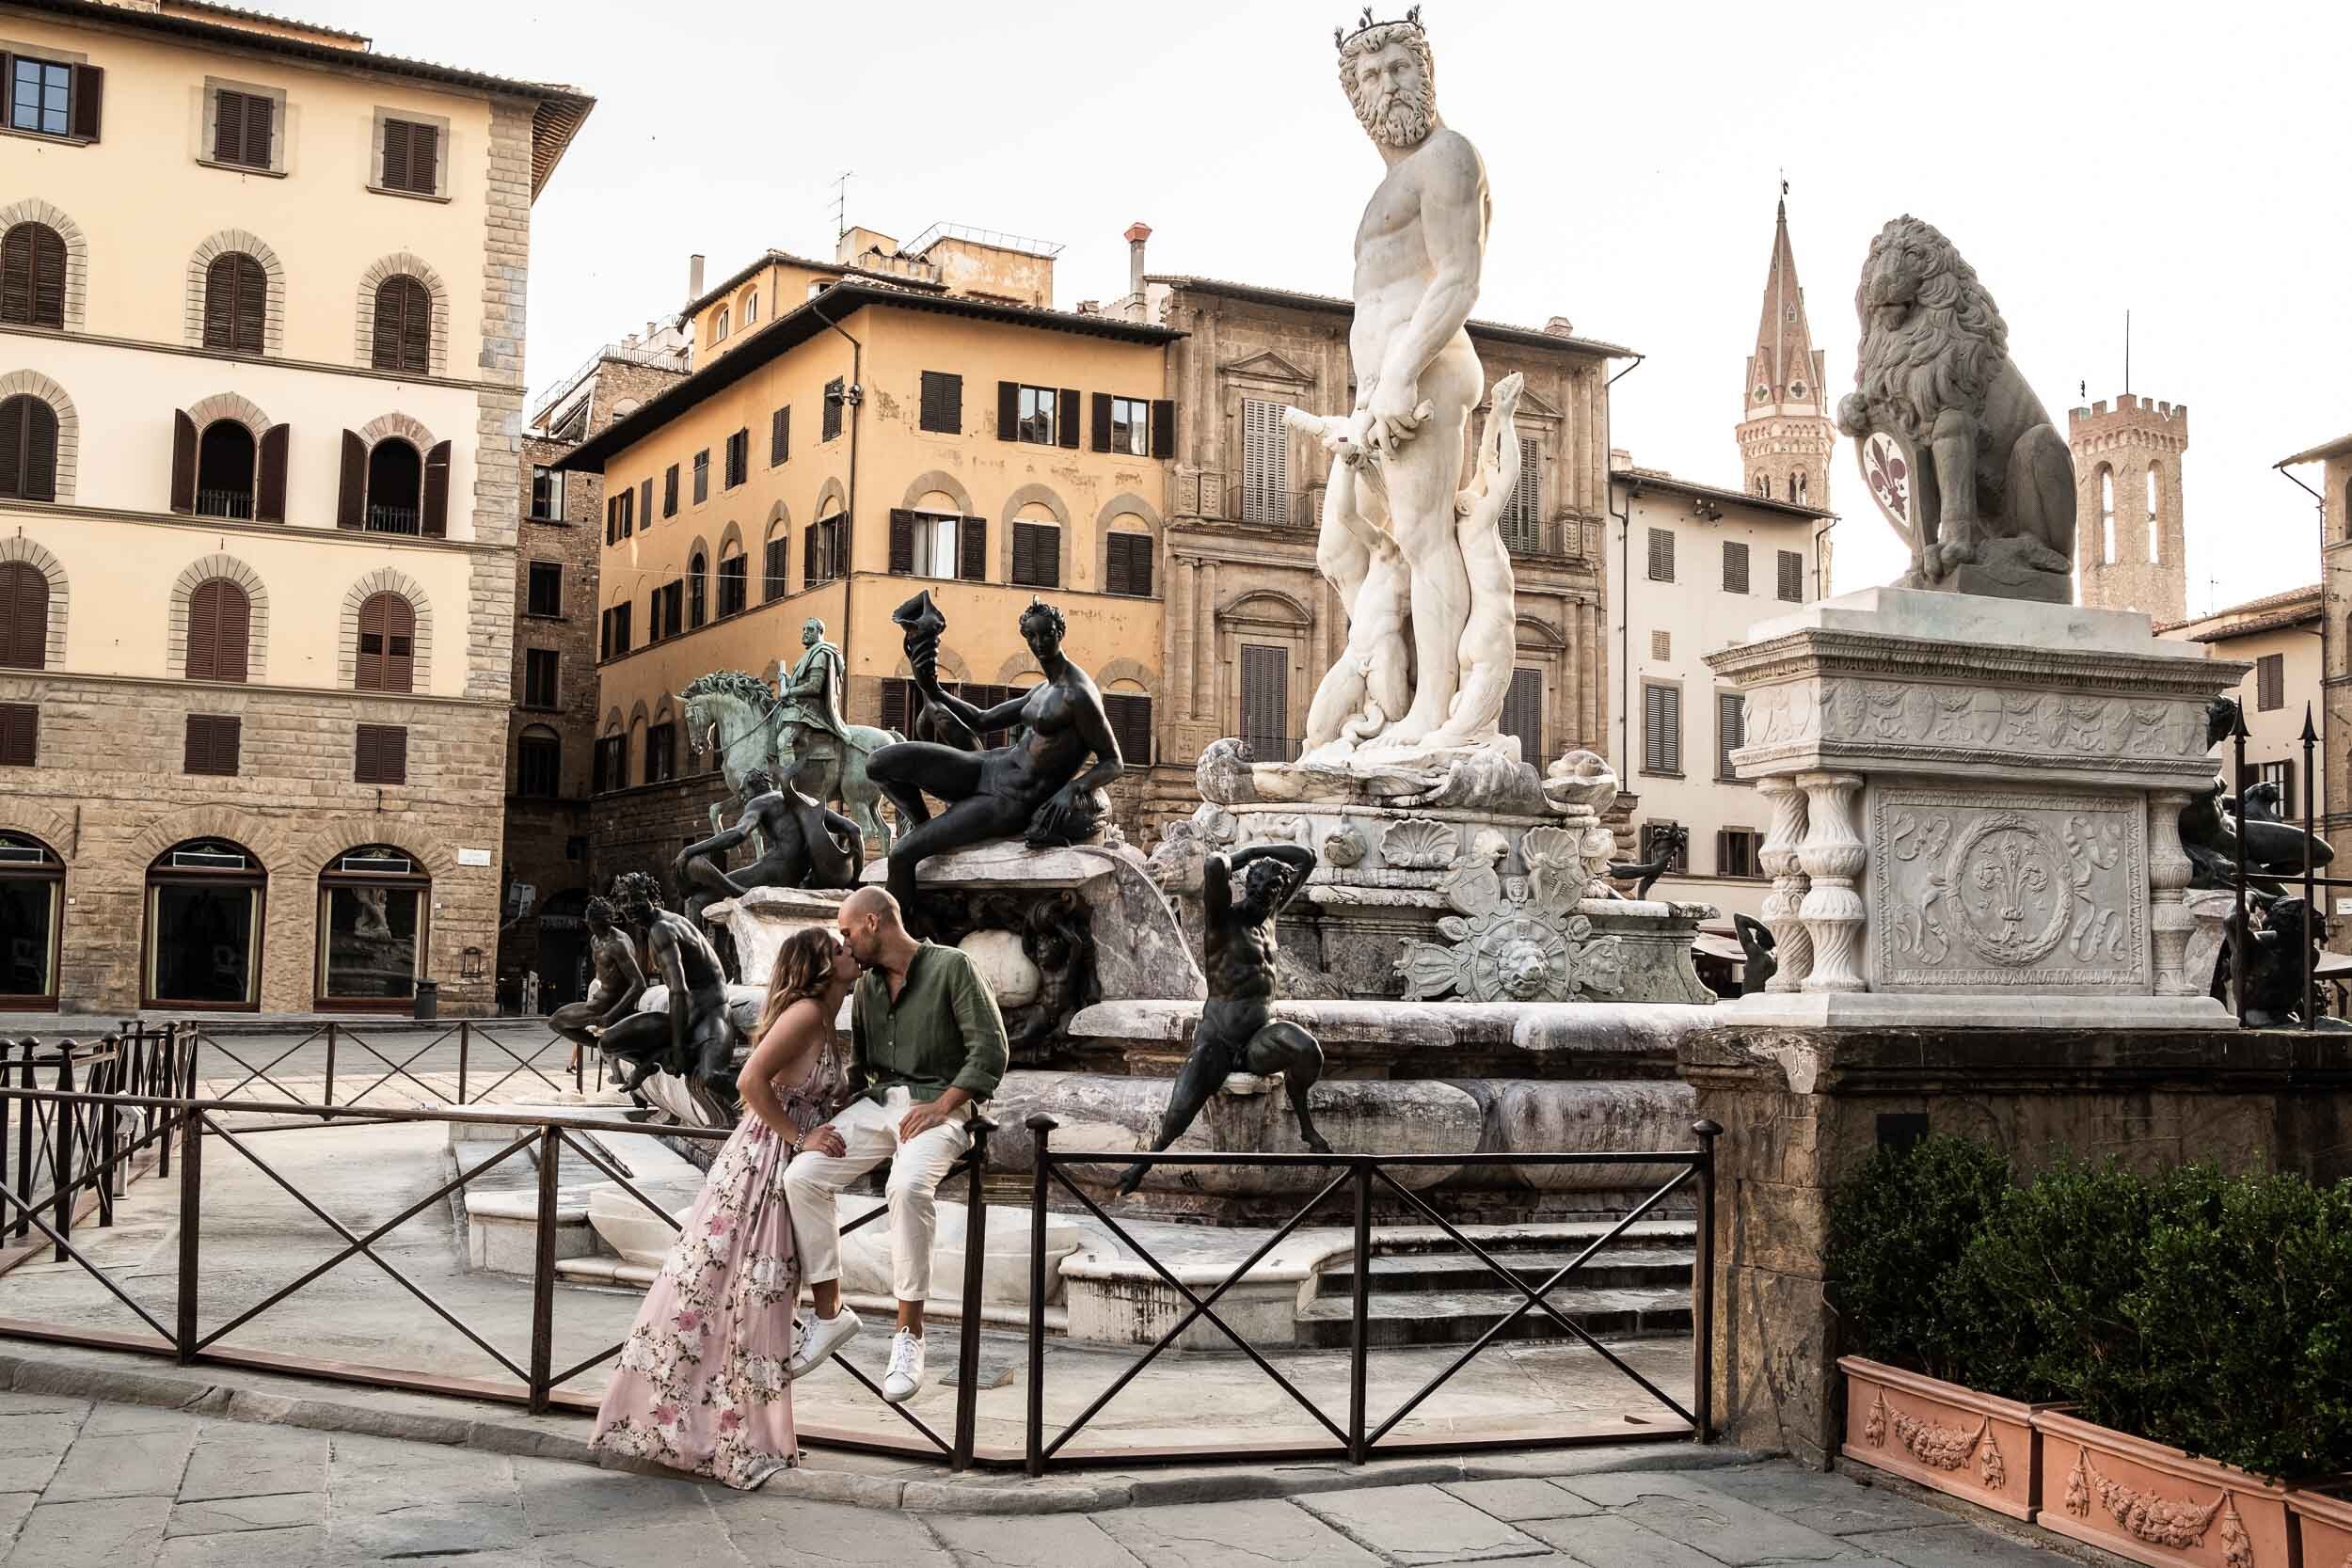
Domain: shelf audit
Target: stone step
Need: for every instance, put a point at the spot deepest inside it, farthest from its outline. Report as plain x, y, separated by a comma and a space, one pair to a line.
1552, 1236
1655, 1268
1459, 1317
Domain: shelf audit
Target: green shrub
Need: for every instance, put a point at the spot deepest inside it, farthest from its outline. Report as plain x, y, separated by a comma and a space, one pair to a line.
1896, 1228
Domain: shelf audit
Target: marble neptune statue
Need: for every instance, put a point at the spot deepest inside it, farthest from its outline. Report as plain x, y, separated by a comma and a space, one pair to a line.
1400, 542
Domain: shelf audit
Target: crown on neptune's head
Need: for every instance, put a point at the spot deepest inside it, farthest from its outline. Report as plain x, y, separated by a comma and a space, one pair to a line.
1340, 36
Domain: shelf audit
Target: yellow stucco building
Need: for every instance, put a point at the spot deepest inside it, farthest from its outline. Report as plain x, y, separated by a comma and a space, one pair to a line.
904, 417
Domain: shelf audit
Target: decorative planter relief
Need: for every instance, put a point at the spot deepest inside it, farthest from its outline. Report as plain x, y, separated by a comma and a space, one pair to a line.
1940, 1434
2156, 1505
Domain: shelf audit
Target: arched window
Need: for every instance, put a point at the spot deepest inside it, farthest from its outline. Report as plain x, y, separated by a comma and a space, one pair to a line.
32, 884
1796, 488
2155, 532
220, 620
697, 590
403, 325
396, 486
2106, 517
749, 308
387, 643
539, 763
23, 616
1036, 548
32, 276
224, 471
28, 449
1764, 486
236, 303
734, 579
373, 903
204, 926
719, 326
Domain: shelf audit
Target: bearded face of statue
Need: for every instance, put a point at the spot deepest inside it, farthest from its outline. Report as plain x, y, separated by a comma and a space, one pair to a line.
1387, 79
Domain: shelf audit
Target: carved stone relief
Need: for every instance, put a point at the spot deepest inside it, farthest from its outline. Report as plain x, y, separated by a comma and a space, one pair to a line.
1959, 723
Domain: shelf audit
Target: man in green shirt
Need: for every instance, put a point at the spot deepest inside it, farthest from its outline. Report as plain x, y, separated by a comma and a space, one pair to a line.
927, 1045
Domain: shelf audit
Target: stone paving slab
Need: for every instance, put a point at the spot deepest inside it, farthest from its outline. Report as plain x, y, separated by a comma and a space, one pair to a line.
1412, 1525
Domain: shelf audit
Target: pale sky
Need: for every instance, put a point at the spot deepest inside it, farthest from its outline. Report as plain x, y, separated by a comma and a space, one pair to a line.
2181, 160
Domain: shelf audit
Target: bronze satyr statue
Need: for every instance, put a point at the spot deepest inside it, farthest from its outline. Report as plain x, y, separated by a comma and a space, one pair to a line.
810, 845
613, 994
693, 1038
1238, 1032
1033, 786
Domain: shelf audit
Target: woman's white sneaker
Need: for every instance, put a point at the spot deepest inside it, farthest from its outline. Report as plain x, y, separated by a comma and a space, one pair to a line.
824, 1337
906, 1366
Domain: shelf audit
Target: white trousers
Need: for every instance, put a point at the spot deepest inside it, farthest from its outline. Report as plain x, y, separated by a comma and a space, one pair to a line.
813, 1180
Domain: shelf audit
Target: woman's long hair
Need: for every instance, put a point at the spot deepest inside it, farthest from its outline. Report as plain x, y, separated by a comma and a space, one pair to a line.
803, 968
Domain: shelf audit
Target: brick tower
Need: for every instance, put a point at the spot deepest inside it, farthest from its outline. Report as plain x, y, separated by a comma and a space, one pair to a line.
1784, 432
2129, 532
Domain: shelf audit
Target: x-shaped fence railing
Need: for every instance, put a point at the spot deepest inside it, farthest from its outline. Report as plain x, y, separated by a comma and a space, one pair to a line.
397, 1062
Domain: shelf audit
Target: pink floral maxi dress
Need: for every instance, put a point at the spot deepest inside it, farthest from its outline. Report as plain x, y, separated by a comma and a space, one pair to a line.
703, 1385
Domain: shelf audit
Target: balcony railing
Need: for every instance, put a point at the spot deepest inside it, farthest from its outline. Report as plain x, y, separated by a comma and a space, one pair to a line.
393, 519
224, 504
1272, 748
1258, 504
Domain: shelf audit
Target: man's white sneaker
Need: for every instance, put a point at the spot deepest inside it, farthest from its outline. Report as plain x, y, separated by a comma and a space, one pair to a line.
906, 1366
818, 1338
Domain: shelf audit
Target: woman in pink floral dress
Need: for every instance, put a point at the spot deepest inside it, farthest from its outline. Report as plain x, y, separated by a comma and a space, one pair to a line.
703, 1385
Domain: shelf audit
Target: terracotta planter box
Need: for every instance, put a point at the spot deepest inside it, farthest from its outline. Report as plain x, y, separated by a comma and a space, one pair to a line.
2325, 1523
2155, 1505
1940, 1434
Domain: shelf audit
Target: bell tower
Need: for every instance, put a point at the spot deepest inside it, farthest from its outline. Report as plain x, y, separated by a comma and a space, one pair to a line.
2130, 527
1784, 432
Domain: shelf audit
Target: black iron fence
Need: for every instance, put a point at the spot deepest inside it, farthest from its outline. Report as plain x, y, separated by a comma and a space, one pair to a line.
2264, 890
57, 1153
361, 1059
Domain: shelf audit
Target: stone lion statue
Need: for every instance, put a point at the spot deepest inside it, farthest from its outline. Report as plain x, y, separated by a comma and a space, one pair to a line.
1993, 483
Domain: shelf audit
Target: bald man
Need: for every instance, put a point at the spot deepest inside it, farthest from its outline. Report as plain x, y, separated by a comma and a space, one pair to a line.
927, 1045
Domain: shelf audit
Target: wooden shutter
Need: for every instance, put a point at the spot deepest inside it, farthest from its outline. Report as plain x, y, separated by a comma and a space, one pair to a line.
1127, 565
23, 616
1101, 421
219, 617
182, 462
1264, 463
1036, 555
89, 94
259, 128
424, 158
1735, 566
1265, 702
1792, 577
1523, 714
779, 441
351, 495
1066, 417
1661, 555
1731, 730
1661, 729
645, 502
834, 394
1163, 427
808, 556
403, 327
388, 626
32, 276
972, 549
40, 452
669, 491
894, 705
20, 734
382, 754
436, 492
16, 272
901, 541
1007, 410
942, 402
16, 416
396, 155
270, 503
236, 303
211, 744
1130, 718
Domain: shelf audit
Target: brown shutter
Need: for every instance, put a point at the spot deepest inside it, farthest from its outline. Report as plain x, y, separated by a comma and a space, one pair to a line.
49, 260
1163, 427
1114, 565
259, 115
1007, 410
352, 495
16, 416
396, 154
400, 644
19, 735
1023, 553
16, 274
236, 618
1101, 421
424, 158
901, 542
252, 304
220, 303
972, 549
23, 617
368, 668
808, 556
894, 705
382, 754
1139, 564
182, 462
1265, 702
90, 92
270, 503
1066, 417
211, 744
218, 615
436, 492
40, 452
645, 502
228, 126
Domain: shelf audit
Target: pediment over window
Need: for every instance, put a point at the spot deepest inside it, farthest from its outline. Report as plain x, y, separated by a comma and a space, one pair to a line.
1266, 365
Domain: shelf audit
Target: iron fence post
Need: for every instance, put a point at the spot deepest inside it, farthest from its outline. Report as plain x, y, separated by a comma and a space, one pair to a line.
2238, 937
2312, 913
107, 1078
1702, 1289
465, 1044
1359, 1316
330, 1064
25, 1133
167, 1084
191, 1217
542, 1273
974, 1272
1041, 1151
61, 1153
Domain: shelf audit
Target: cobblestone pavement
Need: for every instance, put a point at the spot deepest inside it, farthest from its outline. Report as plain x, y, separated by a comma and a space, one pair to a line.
83, 1485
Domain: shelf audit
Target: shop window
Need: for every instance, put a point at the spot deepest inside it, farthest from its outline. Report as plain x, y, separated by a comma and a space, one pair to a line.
32, 884
372, 914
203, 928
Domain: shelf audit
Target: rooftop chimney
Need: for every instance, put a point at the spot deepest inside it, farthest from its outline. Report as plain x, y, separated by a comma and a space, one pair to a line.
1558, 327
694, 276
1137, 234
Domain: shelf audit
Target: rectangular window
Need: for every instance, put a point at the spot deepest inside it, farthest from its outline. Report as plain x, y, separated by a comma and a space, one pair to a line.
662, 752
627, 502
942, 402
739, 458
41, 96
1735, 566
538, 766
412, 157
1127, 565
924, 545
1130, 718
1791, 586
1661, 729
547, 588
645, 503
772, 581
1662, 647
1661, 555
1524, 512
702, 476
547, 492
1653, 832
1731, 730
212, 745
611, 763
826, 551
245, 128
669, 492
1265, 710
1131, 426
734, 584
1265, 463
1036, 555
2270, 682
1523, 714
621, 614
20, 734
779, 436
381, 755
1737, 852
835, 397
2282, 774
539, 668
670, 599
1033, 418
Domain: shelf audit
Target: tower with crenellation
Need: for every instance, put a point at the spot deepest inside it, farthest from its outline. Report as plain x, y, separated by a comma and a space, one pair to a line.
2130, 527
1784, 432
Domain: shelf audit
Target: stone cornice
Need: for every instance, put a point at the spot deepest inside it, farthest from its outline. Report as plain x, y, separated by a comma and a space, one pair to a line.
350, 537
1820, 651
10, 678
275, 362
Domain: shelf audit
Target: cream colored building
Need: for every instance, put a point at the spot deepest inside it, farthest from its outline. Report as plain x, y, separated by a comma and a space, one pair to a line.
2281, 637
259, 420
1690, 568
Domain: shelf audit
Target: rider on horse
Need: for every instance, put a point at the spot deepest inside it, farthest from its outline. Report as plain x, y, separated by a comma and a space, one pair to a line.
809, 700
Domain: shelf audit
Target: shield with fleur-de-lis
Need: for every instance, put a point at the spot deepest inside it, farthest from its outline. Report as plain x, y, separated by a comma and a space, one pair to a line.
1889, 472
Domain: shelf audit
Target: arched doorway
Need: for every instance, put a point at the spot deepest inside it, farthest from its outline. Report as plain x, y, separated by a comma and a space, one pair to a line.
32, 888
563, 957
373, 903
395, 487
203, 938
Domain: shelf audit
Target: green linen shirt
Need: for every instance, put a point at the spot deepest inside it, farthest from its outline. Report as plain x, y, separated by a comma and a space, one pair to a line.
943, 1030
